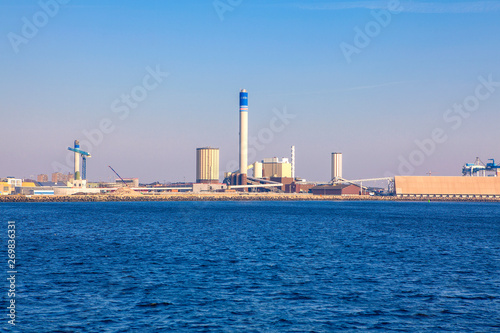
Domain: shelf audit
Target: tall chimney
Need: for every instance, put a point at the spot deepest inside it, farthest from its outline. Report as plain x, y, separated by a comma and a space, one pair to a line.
243, 132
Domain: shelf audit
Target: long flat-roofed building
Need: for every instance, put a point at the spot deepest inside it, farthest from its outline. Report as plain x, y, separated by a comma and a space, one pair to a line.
439, 185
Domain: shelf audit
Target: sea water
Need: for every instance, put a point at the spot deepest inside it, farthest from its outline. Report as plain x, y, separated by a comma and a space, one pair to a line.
253, 267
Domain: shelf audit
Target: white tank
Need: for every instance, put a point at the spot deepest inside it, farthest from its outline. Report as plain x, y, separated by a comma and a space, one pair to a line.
336, 166
257, 170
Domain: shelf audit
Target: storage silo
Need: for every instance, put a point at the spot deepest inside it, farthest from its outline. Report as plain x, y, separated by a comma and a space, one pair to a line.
257, 170
336, 166
207, 165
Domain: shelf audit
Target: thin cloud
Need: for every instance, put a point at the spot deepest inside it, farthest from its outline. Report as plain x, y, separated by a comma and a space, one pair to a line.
410, 6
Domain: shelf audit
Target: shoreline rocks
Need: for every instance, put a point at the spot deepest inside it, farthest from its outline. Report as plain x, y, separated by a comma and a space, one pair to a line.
233, 197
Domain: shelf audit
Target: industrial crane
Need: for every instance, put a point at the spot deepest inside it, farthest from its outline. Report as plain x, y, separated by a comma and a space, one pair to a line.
478, 166
492, 166
118, 175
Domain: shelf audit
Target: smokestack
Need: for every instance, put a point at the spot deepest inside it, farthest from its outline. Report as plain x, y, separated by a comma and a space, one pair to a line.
336, 166
77, 161
293, 162
243, 132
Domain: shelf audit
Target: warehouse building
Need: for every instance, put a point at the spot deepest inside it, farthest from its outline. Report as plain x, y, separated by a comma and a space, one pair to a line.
447, 186
339, 189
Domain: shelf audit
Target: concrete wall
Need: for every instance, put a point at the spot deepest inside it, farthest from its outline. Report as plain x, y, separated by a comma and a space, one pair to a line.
447, 185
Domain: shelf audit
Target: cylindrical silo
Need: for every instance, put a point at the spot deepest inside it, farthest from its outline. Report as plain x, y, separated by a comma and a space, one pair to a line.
257, 170
336, 166
207, 165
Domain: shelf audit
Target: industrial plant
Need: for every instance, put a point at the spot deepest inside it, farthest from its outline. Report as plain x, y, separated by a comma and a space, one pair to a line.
268, 175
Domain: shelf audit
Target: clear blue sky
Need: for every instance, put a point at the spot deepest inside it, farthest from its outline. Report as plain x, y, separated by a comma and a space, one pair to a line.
71, 74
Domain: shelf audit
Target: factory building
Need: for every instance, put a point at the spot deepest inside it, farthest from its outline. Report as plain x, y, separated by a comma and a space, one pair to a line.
446, 186
286, 181
299, 187
276, 168
207, 165
339, 189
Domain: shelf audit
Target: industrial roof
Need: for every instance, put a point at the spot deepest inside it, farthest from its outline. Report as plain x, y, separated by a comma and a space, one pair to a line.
334, 187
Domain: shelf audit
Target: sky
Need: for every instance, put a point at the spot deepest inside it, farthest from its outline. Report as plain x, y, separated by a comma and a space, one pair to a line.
399, 87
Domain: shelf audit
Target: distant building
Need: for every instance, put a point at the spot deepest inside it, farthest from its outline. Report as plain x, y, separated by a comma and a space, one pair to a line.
15, 182
42, 178
286, 181
200, 187
298, 187
274, 167
449, 186
5, 188
340, 189
58, 177
130, 182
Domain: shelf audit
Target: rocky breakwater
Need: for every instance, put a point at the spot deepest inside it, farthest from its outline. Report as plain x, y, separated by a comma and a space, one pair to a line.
130, 195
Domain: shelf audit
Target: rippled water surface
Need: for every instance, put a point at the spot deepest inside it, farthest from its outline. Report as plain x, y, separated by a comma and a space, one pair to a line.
255, 267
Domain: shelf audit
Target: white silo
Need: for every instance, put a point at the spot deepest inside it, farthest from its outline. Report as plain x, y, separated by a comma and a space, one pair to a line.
257, 170
207, 165
336, 166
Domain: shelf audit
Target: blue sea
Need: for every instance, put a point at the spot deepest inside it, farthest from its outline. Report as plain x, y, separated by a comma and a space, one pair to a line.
253, 267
